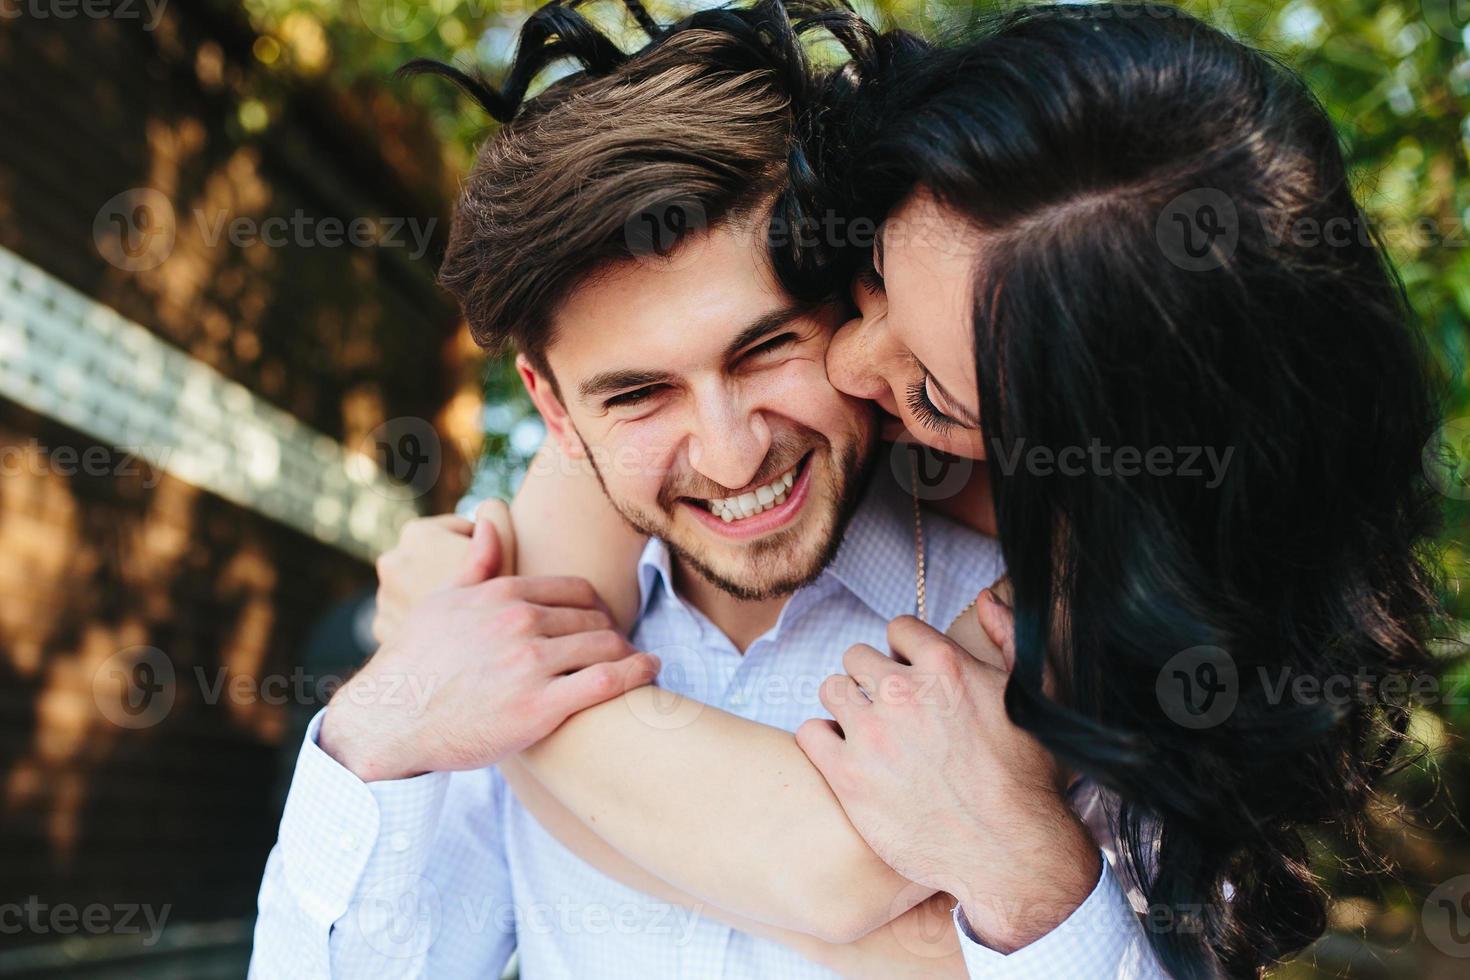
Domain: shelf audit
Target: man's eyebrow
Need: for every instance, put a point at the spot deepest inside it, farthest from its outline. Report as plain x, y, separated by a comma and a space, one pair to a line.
763, 325
612, 381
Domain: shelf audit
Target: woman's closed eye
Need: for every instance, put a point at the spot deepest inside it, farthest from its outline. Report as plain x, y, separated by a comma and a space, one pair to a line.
872, 281
928, 414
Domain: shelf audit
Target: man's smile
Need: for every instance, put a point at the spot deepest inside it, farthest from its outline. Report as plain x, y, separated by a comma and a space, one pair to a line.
757, 511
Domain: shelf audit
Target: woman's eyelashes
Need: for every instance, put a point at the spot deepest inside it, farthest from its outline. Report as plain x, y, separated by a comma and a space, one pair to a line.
872, 281
923, 408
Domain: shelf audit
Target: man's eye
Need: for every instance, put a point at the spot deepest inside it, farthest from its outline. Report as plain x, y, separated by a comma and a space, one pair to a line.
634, 397
774, 344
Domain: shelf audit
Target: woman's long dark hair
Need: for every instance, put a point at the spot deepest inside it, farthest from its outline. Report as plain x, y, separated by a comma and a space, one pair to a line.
1173, 258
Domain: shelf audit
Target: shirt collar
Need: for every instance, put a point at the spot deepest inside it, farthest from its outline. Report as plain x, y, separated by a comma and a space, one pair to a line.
877, 546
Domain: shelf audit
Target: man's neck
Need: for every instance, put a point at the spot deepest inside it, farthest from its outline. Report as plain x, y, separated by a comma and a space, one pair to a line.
741, 620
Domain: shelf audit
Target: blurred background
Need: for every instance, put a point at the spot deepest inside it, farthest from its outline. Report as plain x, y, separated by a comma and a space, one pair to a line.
227, 377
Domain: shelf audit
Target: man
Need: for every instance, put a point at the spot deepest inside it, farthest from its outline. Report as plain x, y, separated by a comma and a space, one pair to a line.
697, 386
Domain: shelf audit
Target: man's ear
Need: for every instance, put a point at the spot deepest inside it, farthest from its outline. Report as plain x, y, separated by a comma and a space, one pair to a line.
544, 397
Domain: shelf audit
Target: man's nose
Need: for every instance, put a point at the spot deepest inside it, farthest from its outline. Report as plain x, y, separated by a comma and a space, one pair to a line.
852, 359
729, 444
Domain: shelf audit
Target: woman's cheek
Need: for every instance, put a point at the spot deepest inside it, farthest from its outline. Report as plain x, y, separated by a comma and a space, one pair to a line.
957, 442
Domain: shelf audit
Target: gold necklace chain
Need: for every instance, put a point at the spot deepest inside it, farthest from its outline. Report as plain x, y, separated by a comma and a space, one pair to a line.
919, 562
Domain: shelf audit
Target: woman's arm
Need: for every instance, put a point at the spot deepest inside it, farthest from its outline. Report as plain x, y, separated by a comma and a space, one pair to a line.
919, 944
786, 854
564, 521
744, 821
725, 809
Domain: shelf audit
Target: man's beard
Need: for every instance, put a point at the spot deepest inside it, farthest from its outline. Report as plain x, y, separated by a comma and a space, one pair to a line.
852, 465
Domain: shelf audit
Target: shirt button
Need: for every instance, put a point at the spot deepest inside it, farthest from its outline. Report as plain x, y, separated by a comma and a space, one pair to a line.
399, 841
348, 842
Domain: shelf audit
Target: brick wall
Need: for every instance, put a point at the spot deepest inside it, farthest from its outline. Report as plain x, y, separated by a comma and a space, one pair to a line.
98, 561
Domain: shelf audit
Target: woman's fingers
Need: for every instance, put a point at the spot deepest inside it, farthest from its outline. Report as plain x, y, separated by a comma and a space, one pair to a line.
483, 560
496, 513
968, 633
999, 624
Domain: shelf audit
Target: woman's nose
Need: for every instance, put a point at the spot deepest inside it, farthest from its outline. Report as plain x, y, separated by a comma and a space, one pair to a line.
852, 360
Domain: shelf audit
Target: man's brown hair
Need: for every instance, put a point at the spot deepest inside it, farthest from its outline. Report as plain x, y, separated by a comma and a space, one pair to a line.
618, 160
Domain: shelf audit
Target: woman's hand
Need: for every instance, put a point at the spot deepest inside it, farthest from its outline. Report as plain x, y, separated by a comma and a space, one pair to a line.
945, 788
428, 552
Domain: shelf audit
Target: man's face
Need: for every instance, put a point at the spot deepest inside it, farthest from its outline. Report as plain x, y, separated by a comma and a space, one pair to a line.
699, 391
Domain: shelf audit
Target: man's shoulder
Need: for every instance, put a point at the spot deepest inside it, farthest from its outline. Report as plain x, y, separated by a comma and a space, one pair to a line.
961, 562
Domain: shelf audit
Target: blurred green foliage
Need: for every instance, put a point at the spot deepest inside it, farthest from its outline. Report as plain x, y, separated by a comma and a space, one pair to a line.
1394, 75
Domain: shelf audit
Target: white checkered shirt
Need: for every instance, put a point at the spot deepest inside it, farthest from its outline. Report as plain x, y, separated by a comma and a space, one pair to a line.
446, 874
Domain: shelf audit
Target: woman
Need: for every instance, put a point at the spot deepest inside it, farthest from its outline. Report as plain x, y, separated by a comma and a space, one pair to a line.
1128, 187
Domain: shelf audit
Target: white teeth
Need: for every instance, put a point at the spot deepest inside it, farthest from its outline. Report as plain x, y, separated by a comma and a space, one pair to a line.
749, 504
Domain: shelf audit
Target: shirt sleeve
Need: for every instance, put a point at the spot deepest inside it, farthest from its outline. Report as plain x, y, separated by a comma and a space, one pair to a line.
1103, 939
369, 879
